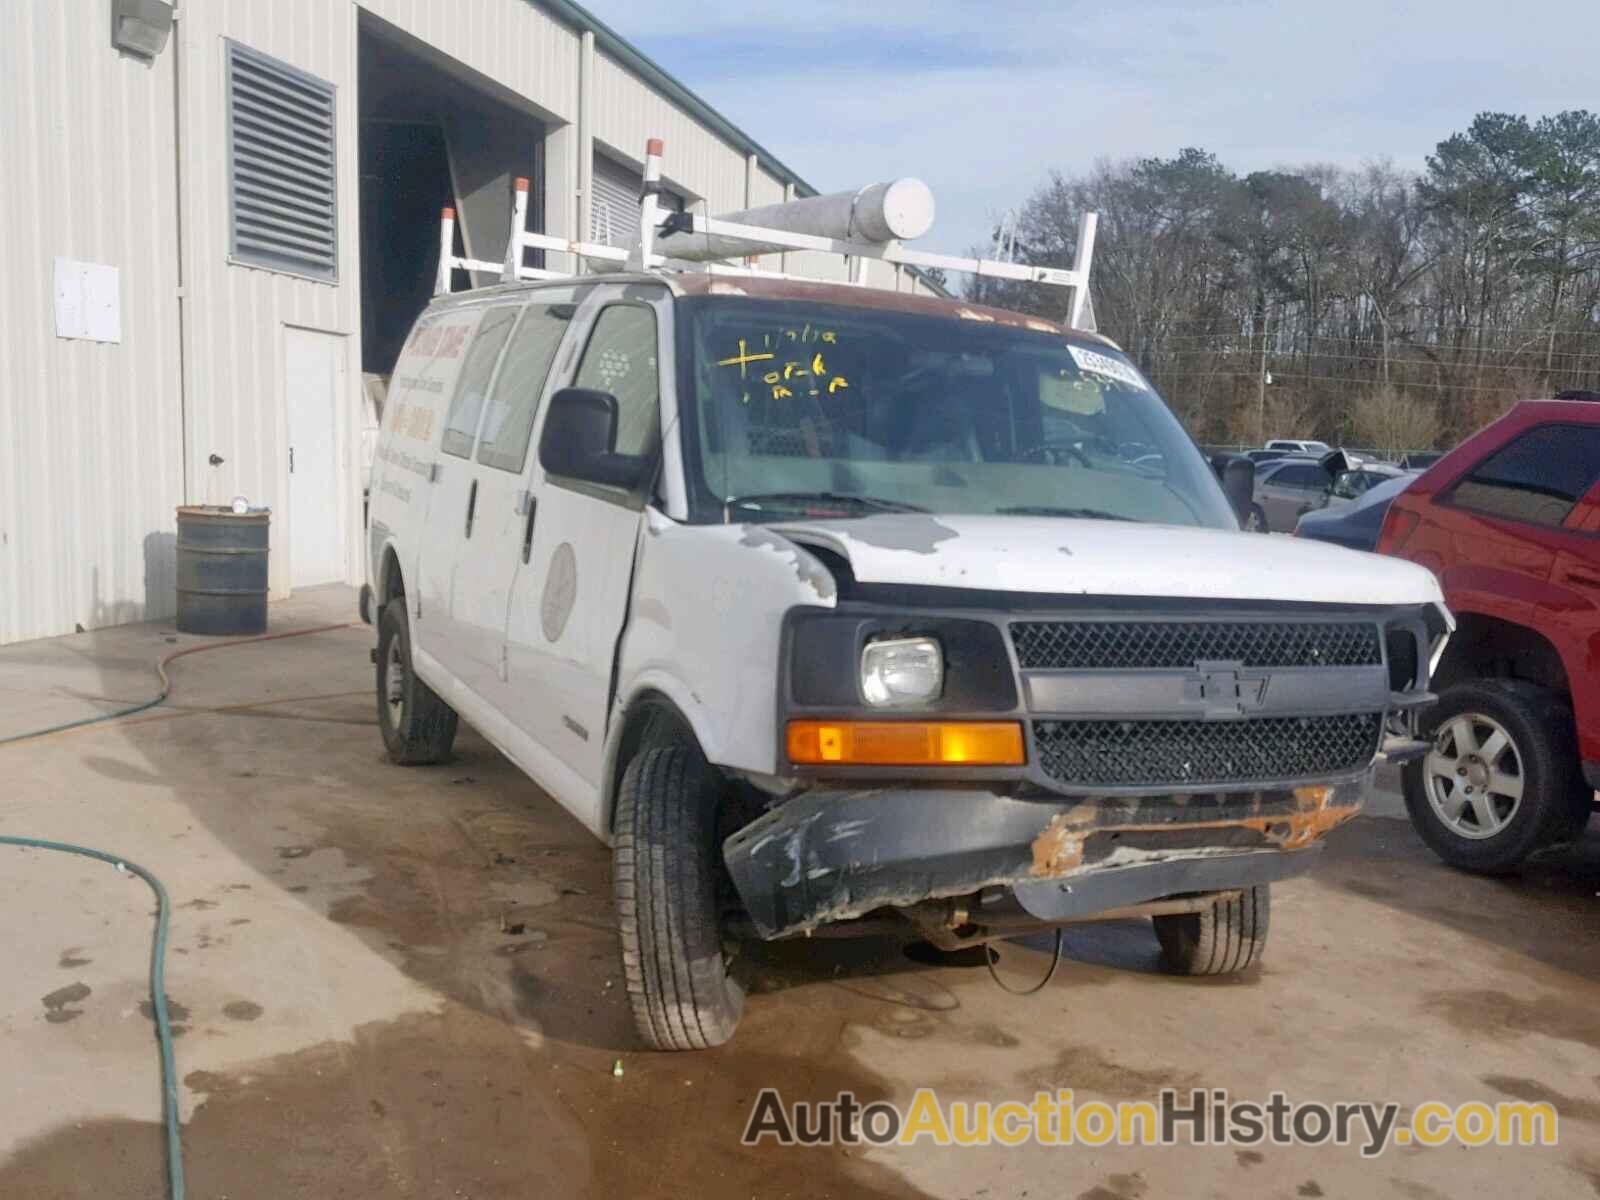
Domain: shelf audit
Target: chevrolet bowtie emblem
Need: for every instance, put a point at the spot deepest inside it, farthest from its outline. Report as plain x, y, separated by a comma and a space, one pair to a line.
1226, 689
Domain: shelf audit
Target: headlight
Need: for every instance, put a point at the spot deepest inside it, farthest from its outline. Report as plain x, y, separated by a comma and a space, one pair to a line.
902, 671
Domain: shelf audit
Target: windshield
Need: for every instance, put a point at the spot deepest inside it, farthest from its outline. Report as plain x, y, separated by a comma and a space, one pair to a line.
792, 408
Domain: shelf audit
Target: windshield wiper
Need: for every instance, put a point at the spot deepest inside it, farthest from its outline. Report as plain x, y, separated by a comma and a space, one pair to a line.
1045, 510
756, 500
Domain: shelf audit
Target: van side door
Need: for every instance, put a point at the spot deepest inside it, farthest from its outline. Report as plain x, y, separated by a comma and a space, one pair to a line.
452, 506
569, 601
507, 508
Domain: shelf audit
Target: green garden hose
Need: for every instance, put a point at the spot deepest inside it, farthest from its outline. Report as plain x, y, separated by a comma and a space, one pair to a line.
158, 994
158, 949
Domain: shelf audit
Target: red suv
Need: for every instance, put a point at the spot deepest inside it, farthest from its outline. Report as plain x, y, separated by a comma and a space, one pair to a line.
1510, 523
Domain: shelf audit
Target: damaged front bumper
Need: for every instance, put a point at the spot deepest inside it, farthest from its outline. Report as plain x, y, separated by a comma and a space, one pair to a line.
831, 855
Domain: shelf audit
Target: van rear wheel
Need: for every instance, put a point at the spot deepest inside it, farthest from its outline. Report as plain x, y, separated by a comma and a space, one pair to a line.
418, 727
667, 861
1222, 939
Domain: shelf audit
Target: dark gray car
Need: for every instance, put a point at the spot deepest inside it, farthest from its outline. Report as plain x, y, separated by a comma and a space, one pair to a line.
1356, 524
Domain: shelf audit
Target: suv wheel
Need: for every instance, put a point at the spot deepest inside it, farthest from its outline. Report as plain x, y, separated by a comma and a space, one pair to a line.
1220, 940
1502, 779
667, 867
417, 726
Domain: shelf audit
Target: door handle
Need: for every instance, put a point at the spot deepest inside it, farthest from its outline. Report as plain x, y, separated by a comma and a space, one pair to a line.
527, 529
1583, 578
291, 460
472, 505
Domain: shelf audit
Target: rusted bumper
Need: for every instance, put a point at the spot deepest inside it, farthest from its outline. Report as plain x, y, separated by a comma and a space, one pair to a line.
829, 855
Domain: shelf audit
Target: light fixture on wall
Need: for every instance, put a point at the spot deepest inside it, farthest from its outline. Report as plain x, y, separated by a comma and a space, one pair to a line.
140, 26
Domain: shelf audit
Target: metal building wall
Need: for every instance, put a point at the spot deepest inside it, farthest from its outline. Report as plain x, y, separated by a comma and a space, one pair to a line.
90, 460
112, 159
235, 315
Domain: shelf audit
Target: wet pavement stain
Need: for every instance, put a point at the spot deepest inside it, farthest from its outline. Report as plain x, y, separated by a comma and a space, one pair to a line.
1085, 1069
1488, 1013
1249, 1158
71, 957
56, 1009
242, 1010
177, 1015
455, 1103
1568, 1108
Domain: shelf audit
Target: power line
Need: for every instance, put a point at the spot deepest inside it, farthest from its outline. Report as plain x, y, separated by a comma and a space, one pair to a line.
1339, 379
1423, 363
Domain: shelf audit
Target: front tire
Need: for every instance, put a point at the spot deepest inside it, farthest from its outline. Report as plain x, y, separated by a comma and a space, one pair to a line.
1502, 779
418, 727
667, 861
1223, 939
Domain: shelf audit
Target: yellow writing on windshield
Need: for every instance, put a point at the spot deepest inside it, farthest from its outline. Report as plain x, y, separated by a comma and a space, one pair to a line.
789, 373
744, 358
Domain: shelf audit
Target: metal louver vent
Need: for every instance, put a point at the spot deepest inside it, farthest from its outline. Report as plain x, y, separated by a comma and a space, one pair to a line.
282, 185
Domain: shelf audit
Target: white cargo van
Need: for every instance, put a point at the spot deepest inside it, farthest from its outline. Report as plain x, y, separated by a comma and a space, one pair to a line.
816, 602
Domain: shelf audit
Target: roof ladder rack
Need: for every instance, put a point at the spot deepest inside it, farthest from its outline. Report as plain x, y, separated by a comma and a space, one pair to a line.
861, 227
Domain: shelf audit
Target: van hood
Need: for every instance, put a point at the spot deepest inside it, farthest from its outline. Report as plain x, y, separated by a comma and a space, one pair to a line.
1064, 555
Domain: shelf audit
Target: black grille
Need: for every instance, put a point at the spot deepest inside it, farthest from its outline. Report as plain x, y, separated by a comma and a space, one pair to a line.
1129, 645
1185, 753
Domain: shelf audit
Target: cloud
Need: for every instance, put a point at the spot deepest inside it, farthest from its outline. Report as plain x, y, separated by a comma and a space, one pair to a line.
983, 99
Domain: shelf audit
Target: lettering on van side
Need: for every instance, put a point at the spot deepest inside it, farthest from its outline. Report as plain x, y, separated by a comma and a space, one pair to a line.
414, 421
406, 462
441, 340
419, 382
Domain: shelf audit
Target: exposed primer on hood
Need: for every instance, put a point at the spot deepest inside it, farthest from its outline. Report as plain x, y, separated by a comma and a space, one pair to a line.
1111, 558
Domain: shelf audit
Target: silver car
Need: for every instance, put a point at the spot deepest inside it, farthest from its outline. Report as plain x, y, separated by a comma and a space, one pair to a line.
1287, 489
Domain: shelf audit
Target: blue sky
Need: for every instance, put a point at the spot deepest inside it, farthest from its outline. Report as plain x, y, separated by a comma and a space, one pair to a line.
983, 99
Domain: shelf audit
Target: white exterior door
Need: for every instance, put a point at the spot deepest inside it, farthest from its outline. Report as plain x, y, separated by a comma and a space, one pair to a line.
314, 382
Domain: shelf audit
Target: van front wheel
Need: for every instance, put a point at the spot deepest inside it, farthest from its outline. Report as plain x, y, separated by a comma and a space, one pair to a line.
667, 858
417, 726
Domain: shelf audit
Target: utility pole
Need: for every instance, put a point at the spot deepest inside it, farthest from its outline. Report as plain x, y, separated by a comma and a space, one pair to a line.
1261, 386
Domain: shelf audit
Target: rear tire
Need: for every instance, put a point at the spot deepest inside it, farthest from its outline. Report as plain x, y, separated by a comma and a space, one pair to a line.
667, 865
418, 727
1516, 743
1225, 938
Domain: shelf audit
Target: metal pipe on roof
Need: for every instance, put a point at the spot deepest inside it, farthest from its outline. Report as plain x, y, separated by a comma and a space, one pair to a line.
881, 212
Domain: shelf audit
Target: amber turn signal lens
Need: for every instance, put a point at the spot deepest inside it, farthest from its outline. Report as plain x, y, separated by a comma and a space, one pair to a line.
906, 743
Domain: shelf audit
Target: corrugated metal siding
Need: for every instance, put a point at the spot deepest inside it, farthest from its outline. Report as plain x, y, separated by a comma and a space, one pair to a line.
627, 114
90, 463
92, 436
511, 41
237, 313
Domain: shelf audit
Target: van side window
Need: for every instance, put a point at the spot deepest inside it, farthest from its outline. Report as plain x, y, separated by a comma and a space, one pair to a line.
621, 359
477, 369
515, 400
1537, 478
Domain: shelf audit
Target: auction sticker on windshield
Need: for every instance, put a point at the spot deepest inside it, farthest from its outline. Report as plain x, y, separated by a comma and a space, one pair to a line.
1104, 364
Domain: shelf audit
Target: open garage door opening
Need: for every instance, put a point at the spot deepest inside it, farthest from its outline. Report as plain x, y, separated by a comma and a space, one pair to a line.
432, 134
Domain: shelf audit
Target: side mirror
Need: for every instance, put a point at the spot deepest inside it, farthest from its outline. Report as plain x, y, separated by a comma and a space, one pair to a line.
580, 433
1238, 477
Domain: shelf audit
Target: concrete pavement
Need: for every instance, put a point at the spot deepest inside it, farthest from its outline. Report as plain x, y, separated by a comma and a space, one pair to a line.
404, 982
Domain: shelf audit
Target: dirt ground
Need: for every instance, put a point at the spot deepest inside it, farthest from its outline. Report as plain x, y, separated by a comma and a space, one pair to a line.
404, 983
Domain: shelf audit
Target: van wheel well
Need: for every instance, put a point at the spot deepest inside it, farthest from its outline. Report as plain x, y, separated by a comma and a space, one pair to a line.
653, 720
391, 584
1485, 647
